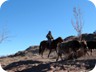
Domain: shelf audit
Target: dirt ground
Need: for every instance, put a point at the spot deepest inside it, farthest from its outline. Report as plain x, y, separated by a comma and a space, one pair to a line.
31, 61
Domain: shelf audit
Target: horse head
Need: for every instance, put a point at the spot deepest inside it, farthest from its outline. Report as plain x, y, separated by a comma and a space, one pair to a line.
59, 40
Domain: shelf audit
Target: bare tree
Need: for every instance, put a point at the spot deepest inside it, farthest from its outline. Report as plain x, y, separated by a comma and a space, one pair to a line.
78, 23
3, 35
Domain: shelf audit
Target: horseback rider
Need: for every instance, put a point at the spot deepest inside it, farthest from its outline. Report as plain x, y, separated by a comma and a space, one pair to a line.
49, 37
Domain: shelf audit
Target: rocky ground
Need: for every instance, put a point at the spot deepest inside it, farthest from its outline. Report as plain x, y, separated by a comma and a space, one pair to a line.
30, 61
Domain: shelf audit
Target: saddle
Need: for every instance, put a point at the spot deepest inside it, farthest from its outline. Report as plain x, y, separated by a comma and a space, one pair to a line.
49, 42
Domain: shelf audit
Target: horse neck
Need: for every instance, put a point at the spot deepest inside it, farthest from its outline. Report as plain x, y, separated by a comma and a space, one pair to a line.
58, 40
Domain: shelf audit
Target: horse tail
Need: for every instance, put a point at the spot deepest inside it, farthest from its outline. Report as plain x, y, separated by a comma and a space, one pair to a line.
40, 48
58, 47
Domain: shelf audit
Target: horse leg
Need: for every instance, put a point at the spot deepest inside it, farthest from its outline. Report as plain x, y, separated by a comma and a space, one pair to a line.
87, 51
56, 52
74, 55
59, 55
91, 51
42, 52
49, 52
57, 58
42, 55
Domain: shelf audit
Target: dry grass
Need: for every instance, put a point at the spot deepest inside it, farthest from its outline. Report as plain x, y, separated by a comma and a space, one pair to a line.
32, 62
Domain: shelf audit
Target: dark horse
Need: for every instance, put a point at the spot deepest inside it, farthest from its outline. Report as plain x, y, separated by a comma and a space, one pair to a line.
91, 45
44, 45
68, 47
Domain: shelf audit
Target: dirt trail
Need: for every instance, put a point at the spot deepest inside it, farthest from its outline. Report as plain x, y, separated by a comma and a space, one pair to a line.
31, 61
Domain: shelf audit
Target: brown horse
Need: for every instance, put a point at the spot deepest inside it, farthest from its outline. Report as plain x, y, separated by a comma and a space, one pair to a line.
91, 45
69, 47
44, 45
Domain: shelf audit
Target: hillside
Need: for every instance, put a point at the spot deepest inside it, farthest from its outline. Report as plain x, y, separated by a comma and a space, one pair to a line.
30, 61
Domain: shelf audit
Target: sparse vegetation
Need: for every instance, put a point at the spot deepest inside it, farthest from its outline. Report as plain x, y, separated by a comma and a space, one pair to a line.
78, 23
30, 61
3, 34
